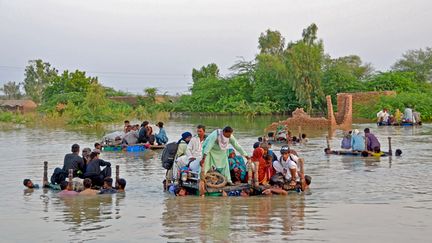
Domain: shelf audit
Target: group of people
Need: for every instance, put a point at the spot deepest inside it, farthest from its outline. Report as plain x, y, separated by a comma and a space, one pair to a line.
88, 177
217, 152
368, 144
137, 134
409, 116
282, 134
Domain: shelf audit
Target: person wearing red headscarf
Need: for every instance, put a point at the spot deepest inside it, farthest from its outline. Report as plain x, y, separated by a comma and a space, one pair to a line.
264, 169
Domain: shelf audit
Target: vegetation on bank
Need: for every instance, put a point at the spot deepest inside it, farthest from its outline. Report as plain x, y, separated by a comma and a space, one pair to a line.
282, 76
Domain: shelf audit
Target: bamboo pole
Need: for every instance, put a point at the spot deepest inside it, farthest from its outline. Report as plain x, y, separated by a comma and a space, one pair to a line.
256, 181
70, 176
249, 167
300, 133
389, 145
117, 175
45, 175
328, 142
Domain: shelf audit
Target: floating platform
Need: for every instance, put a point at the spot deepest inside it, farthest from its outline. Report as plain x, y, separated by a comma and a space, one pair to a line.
402, 124
132, 148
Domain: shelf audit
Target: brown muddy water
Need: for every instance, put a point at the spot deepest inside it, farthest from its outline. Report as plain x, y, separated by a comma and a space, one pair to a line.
351, 199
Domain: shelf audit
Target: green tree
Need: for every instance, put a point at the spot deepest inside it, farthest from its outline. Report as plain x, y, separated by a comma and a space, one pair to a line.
151, 94
38, 75
344, 74
271, 42
304, 60
68, 82
209, 71
11, 90
417, 61
395, 80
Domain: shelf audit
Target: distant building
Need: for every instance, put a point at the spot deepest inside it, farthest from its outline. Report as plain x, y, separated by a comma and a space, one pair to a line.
21, 106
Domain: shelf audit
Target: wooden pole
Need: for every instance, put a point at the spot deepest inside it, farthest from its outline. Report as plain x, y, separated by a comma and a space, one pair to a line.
117, 175
299, 133
366, 142
249, 167
302, 175
256, 181
390, 148
45, 175
328, 142
70, 176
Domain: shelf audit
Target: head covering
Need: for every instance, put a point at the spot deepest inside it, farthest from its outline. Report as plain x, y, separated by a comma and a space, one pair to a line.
356, 131
257, 154
184, 136
256, 145
230, 150
284, 149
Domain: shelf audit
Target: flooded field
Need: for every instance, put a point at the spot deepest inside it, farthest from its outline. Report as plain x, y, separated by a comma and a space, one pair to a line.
351, 199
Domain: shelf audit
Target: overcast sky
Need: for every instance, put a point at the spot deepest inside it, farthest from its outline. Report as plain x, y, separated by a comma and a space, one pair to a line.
131, 45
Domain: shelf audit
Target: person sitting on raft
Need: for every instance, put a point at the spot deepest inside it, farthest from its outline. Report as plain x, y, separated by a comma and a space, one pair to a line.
346, 140
357, 141
237, 167
215, 151
93, 170
372, 141
131, 136
145, 134
161, 137
287, 165
383, 117
73, 161
261, 166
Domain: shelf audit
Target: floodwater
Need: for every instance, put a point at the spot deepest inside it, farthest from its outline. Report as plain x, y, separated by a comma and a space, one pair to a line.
351, 199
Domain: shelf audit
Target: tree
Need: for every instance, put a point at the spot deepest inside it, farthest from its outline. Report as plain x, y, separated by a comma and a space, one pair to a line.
344, 74
271, 42
68, 82
11, 90
151, 94
304, 60
209, 71
38, 75
417, 61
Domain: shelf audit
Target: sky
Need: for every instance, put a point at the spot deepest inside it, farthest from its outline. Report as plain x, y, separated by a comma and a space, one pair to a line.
132, 45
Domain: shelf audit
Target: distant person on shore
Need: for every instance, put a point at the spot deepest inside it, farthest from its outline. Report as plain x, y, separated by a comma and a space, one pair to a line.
29, 184
93, 170
74, 161
357, 141
107, 187
372, 141
161, 137
88, 191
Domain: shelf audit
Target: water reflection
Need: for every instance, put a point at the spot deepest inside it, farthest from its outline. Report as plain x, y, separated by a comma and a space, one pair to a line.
233, 218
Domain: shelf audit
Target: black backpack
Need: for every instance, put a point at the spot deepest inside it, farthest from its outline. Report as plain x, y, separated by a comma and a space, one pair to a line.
58, 176
168, 155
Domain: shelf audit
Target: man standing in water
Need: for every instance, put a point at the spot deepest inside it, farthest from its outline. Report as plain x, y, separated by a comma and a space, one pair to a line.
215, 151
